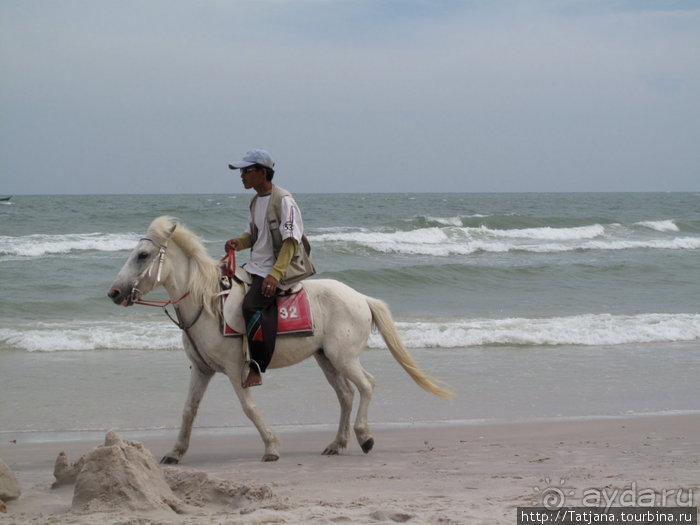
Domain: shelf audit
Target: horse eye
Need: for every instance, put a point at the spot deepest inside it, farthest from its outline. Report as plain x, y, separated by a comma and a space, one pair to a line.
142, 256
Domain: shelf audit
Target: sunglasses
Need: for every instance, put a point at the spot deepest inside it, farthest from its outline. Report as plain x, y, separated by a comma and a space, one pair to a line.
249, 169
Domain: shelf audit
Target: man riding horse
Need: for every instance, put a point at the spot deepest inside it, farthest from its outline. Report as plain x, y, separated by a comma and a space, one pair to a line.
280, 256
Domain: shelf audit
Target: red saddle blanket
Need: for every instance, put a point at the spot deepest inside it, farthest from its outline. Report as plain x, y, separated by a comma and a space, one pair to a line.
293, 315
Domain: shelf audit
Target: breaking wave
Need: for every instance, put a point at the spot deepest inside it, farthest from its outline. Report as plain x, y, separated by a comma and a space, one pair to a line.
580, 330
446, 239
39, 245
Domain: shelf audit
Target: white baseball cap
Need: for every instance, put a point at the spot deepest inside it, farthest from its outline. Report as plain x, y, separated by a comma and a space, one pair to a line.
254, 156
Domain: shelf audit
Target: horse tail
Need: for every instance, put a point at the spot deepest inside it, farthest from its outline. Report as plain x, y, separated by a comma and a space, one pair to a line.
383, 320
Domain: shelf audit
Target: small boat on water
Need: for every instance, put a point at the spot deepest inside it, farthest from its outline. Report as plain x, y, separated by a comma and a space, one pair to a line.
3, 199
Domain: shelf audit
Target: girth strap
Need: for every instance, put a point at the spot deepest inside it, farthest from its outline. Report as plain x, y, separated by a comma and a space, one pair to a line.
204, 367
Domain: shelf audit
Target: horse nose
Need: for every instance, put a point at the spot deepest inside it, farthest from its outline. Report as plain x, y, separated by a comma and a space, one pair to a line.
114, 294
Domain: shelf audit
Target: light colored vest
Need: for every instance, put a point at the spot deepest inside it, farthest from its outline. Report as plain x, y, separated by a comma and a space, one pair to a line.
301, 265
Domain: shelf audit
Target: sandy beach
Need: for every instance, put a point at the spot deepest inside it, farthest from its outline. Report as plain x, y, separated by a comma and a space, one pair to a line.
469, 474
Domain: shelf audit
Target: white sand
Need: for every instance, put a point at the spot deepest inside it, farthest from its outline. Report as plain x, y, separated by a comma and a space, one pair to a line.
445, 474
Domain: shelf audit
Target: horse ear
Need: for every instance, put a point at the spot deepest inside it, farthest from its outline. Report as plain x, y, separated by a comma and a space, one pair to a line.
170, 233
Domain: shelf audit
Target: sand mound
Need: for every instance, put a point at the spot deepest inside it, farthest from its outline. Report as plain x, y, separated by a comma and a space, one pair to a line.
9, 485
199, 489
122, 475
66, 472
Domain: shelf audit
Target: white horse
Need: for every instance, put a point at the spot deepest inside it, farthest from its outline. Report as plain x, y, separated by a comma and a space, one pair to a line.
172, 256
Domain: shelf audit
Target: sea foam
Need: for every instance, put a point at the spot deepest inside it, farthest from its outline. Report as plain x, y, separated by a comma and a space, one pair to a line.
450, 240
660, 226
39, 245
91, 335
580, 330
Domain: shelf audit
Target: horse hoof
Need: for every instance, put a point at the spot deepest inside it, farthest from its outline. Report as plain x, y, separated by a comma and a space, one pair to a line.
169, 460
331, 451
367, 445
269, 457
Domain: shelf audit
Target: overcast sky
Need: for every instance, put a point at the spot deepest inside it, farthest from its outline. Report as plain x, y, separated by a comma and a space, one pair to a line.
157, 96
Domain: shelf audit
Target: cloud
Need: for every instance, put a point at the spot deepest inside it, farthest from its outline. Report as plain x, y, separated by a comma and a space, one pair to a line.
350, 95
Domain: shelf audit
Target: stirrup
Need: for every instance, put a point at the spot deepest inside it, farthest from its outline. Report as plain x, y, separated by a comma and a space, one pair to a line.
246, 370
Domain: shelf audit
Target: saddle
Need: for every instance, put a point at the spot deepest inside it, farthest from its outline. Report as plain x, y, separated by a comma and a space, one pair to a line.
294, 315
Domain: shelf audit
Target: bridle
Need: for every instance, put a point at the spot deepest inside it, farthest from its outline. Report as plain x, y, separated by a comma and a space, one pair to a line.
229, 270
148, 271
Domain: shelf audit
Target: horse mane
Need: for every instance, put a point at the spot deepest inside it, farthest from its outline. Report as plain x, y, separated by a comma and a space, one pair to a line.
203, 279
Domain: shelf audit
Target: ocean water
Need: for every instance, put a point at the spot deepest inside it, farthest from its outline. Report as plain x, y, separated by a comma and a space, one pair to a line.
528, 305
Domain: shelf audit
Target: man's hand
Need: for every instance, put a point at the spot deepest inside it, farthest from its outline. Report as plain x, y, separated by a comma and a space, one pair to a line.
269, 286
231, 245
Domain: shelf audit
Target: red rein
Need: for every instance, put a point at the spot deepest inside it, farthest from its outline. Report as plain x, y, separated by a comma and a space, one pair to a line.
228, 264
160, 304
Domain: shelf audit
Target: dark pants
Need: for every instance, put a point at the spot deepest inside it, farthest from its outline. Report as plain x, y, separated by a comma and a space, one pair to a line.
260, 314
